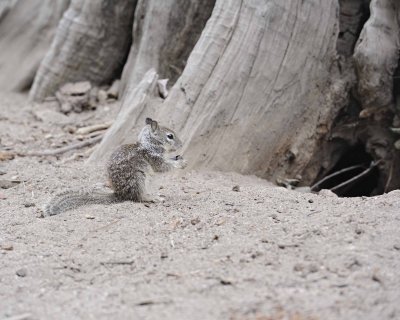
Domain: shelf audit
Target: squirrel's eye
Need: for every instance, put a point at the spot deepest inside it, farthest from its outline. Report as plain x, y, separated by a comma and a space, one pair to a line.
170, 136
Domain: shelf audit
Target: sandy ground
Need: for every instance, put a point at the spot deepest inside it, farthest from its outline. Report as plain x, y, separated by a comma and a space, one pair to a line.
207, 252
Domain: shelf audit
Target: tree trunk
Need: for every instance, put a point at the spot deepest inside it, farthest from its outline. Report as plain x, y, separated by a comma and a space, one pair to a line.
256, 64
281, 89
164, 33
376, 64
91, 43
26, 31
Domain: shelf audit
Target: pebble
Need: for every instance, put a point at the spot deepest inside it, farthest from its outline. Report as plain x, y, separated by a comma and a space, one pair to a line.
358, 230
327, 193
236, 188
90, 217
164, 255
29, 204
226, 282
21, 272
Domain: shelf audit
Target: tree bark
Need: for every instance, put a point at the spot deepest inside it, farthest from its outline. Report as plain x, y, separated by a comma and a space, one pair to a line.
257, 90
91, 43
26, 30
377, 54
164, 33
273, 88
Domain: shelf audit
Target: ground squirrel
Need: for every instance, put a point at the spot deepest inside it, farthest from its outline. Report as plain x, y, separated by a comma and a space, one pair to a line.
127, 169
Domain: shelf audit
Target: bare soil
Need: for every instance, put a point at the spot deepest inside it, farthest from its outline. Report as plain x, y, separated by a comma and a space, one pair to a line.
207, 252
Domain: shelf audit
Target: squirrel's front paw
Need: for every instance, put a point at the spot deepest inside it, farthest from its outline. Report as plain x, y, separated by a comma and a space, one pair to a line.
180, 162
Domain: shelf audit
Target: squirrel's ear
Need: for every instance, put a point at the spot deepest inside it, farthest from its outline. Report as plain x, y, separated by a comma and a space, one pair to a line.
152, 123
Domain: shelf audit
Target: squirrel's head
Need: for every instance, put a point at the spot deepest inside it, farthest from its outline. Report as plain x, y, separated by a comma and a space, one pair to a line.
156, 134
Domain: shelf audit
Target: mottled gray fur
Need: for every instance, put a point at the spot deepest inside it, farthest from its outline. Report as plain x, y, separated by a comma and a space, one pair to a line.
127, 170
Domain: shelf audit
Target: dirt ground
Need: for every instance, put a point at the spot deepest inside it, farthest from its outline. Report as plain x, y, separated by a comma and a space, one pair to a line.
207, 252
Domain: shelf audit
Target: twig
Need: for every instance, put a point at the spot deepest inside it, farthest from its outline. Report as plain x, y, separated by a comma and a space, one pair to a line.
130, 262
365, 172
389, 178
95, 127
54, 152
335, 174
93, 134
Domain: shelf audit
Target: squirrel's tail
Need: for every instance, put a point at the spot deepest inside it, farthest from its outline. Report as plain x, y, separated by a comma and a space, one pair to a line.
69, 200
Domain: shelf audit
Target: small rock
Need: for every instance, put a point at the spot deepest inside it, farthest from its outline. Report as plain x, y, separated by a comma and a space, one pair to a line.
164, 255
327, 193
113, 91
39, 213
70, 129
396, 246
256, 254
376, 277
21, 272
29, 204
226, 282
195, 221
236, 188
220, 222
358, 230
162, 88
7, 247
90, 217
310, 201
74, 96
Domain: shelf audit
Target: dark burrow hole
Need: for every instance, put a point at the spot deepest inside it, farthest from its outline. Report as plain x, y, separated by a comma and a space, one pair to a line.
354, 162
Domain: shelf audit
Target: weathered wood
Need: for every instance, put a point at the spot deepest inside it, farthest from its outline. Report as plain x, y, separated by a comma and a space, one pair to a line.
27, 28
164, 34
257, 85
91, 44
132, 106
377, 53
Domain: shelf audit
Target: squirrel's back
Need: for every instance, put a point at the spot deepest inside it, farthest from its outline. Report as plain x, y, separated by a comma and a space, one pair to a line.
69, 200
